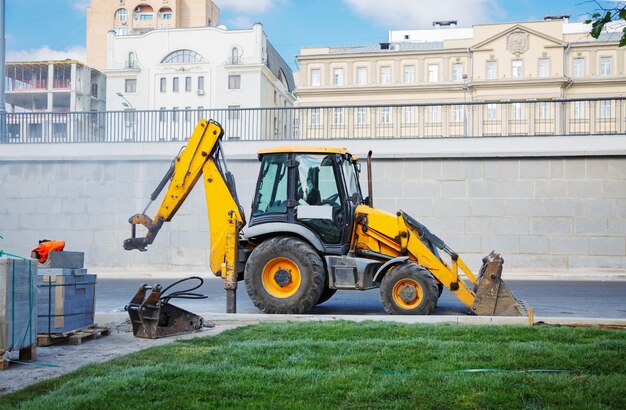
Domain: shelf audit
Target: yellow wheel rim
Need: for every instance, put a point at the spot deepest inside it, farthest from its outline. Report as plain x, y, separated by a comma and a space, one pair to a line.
407, 293
281, 277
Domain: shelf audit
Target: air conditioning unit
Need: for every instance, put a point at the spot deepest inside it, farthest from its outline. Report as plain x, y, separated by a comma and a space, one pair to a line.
200, 92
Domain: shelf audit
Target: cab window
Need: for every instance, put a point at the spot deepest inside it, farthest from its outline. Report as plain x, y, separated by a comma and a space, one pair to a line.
271, 196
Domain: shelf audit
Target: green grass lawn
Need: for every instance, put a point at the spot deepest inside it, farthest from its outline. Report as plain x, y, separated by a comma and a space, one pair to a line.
354, 365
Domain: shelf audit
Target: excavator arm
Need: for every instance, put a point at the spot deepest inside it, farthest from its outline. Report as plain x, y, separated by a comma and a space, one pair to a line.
201, 158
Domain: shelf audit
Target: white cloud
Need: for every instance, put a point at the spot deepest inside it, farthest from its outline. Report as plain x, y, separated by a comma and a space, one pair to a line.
248, 6
239, 22
45, 53
420, 14
80, 5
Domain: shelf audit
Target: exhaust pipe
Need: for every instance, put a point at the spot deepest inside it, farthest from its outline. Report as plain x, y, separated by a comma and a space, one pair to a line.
370, 194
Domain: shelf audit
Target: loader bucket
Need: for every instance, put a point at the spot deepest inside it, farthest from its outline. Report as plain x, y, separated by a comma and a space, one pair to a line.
493, 297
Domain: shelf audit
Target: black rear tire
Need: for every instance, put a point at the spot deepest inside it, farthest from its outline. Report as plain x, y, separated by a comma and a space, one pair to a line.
409, 289
301, 284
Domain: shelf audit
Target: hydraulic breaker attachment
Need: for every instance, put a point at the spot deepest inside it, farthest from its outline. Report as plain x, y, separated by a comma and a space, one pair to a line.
153, 316
493, 297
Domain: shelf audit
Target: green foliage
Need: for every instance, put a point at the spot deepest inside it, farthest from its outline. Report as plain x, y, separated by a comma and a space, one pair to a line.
354, 366
599, 19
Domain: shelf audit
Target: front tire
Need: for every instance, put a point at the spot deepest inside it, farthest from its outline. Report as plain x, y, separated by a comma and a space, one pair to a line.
409, 289
284, 275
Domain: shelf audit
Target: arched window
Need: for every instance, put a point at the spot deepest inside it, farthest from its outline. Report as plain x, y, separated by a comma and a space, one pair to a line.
234, 56
143, 12
182, 56
132, 60
165, 13
121, 15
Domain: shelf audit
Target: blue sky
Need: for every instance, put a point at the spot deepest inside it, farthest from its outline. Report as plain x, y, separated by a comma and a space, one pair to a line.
55, 29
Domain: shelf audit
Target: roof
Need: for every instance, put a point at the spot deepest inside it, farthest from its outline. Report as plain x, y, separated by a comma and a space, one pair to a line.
276, 64
304, 149
394, 47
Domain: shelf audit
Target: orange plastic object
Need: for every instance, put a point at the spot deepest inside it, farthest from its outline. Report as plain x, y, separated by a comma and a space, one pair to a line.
41, 252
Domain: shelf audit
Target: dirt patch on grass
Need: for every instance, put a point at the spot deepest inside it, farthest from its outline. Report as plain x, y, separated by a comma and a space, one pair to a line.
56, 360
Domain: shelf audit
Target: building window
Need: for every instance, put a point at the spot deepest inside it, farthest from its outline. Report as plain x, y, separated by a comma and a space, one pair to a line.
409, 115
457, 72
187, 114
130, 85
605, 109
605, 66
409, 74
201, 83
316, 77
361, 115
338, 76
187, 84
384, 115
578, 67
361, 75
433, 114
162, 114
492, 113
175, 114
143, 12
338, 116
234, 82
517, 69
491, 70
121, 15
542, 110
234, 55
433, 73
132, 61
175, 85
516, 111
233, 112
165, 13
579, 110
163, 84
182, 56
457, 113
385, 75
315, 117
544, 68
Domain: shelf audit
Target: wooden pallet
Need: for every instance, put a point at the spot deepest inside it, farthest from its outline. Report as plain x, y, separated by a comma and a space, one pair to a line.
27, 354
73, 337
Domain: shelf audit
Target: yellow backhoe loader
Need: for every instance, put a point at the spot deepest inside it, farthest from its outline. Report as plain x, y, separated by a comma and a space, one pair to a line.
311, 232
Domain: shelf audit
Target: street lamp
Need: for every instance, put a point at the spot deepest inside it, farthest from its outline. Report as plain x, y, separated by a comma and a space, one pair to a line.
126, 103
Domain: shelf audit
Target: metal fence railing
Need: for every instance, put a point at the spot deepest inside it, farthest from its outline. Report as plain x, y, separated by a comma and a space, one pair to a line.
473, 119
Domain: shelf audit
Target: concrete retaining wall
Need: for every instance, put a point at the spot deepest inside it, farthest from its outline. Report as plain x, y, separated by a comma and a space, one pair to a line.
564, 213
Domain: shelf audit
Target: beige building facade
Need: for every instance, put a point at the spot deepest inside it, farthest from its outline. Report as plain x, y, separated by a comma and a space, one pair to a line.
132, 17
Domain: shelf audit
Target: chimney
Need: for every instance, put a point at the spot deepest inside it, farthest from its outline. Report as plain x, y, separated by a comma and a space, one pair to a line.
445, 23
564, 17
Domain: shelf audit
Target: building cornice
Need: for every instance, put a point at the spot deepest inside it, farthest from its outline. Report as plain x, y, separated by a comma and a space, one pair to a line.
382, 56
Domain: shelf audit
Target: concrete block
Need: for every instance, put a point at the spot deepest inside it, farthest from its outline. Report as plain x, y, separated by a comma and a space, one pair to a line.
596, 262
33, 221
390, 189
607, 246
584, 189
511, 225
621, 207
48, 206
452, 207
616, 226
478, 225
484, 189
523, 207
504, 244
414, 189
487, 207
563, 207
432, 169
567, 245
9, 223
413, 206
472, 169
442, 227
464, 243
600, 207
533, 261
453, 189
452, 170
551, 226
21, 207
538, 245
590, 226
517, 189
550, 189
596, 168
491, 169
574, 168
614, 189
617, 168
534, 169
556, 168
509, 169
188, 257
32, 190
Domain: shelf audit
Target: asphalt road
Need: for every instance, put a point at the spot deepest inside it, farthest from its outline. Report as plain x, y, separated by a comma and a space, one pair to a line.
590, 299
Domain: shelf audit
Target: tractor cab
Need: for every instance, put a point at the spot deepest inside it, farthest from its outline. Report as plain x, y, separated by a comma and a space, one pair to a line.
315, 189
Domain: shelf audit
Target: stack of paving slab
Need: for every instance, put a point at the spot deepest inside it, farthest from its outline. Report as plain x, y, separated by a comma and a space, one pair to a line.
66, 294
17, 304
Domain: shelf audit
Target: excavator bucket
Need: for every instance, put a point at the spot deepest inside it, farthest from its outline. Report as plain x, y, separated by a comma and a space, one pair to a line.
493, 297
